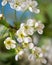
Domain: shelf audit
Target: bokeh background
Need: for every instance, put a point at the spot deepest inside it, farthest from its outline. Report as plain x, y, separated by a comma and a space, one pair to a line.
12, 17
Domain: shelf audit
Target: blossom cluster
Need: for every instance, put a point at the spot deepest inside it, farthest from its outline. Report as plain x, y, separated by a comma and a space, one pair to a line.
22, 5
24, 44
25, 41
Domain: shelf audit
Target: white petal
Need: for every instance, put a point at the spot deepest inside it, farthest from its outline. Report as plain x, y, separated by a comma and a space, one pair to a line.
27, 39
19, 40
18, 32
30, 22
21, 31
36, 24
44, 61
1, 15
16, 57
30, 31
18, 8
8, 38
24, 6
4, 42
40, 31
31, 45
41, 25
8, 47
13, 41
37, 11
30, 9
41, 55
22, 25
13, 46
21, 52
11, 5
4, 2
35, 3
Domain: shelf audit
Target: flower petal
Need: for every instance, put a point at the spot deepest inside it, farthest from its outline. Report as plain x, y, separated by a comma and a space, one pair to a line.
30, 9
27, 39
40, 31
13, 46
8, 47
4, 2
30, 22
21, 52
37, 11
19, 40
18, 8
16, 57
30, 31
31, 45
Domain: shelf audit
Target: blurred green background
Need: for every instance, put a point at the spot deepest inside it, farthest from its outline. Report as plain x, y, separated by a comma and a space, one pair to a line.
45, 15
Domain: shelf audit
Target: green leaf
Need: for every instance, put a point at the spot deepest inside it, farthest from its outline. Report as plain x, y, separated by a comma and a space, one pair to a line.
4, 56
3, 32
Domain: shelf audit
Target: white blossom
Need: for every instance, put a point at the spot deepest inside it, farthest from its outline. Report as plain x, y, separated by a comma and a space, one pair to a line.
39, 27
18, 5
20, 35
15, 6
19, 55
27, 29
32, 6
9, 43
37, 51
